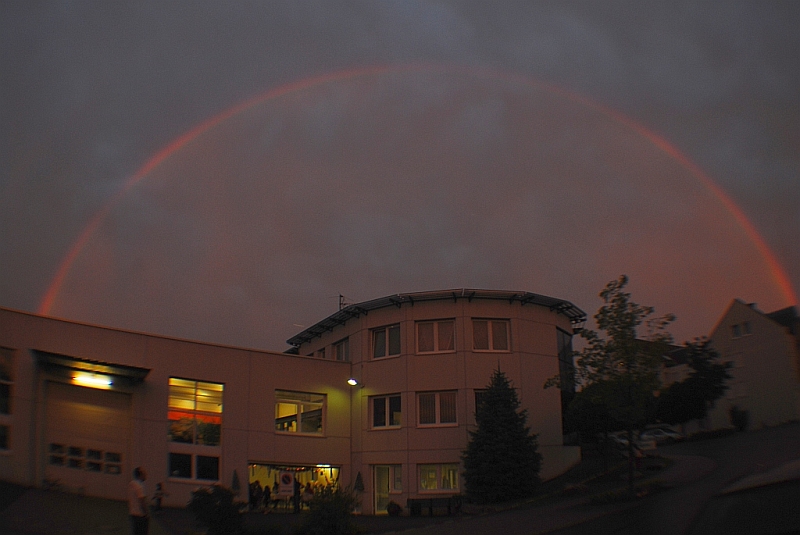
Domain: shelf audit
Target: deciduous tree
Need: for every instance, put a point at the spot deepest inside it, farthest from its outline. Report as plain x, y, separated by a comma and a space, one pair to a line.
619, 367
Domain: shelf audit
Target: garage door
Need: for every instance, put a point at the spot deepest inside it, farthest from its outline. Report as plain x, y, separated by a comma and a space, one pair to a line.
87, 438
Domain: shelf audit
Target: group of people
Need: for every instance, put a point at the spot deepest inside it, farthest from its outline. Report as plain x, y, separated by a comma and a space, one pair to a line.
264, 499
261, 498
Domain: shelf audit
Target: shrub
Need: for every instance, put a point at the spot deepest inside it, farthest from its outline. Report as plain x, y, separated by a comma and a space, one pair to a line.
215, 507
331, 513
394, 508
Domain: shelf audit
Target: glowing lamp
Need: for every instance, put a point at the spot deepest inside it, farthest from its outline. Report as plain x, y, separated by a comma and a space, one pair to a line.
352, 381
92, 380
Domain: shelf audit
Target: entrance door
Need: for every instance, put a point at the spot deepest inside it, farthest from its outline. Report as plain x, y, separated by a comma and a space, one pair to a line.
382, 481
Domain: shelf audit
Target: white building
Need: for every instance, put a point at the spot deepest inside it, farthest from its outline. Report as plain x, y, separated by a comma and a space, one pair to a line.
84, 404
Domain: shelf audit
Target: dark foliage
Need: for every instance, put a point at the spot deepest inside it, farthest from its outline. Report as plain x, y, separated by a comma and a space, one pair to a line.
331, 513
502, 460
215, 507
692, 398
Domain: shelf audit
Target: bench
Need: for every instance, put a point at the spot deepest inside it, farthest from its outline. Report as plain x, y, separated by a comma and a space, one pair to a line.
451, 503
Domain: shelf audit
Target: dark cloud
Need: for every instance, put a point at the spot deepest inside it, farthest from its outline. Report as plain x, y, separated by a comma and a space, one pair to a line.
410, 179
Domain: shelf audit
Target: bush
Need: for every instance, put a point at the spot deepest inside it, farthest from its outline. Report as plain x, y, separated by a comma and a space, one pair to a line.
394, 509
215, 507
331, 513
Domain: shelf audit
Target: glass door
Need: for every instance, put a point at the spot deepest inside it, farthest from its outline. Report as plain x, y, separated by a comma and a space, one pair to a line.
381, 487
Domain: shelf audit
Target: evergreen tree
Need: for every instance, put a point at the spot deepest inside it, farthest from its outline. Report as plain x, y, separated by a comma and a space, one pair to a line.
502, 460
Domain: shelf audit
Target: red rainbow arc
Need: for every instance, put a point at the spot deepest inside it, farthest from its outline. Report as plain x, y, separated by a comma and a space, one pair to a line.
776, 270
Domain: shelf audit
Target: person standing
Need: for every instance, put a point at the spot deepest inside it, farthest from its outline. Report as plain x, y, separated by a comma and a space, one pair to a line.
137, 502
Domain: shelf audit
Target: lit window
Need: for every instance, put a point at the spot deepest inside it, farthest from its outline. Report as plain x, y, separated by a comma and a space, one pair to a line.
341, 350
490, 335
435, 336
386, 341
386, 411
436, 408
438, 477
195, 412
299, 412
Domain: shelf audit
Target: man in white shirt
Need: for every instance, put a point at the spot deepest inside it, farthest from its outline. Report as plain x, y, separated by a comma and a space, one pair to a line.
137, 502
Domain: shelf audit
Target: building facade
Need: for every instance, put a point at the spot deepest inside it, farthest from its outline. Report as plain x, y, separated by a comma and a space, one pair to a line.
83, 405
764, 350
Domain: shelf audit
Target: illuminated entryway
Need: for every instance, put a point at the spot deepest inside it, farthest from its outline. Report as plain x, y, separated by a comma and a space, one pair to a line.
280, 481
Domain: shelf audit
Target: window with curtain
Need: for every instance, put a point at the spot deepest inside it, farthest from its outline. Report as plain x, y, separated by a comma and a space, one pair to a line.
436, 336
490, 335
436, 408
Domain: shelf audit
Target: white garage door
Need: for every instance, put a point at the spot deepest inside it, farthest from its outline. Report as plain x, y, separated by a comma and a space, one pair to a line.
87, 439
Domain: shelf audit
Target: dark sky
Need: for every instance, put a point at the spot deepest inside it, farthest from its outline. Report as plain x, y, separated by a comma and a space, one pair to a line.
391, 147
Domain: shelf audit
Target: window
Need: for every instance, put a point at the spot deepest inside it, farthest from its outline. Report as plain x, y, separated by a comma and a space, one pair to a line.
195, 428
386, 341
195, 412
435, 336
386, 411
6, 384
341, 350
741, 329
480, 396
437, 408
490, 335
321, 353
298, 412
438, 477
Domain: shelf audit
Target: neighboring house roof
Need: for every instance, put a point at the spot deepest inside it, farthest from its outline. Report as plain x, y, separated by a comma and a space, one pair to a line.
788, 318
575, 314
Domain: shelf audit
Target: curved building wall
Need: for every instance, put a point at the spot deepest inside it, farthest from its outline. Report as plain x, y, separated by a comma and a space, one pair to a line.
416, 449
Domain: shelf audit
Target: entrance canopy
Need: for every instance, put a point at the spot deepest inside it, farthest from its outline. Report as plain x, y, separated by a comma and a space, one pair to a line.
67, 366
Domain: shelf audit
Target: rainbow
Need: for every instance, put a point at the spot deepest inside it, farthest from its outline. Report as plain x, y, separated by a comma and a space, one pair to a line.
777, 272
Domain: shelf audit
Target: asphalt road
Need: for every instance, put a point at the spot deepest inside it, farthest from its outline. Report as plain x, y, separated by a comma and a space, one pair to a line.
697, 508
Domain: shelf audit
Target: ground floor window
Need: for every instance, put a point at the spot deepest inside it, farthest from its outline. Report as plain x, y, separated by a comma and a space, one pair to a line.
81, 458
275, 486
438, 477
194, 466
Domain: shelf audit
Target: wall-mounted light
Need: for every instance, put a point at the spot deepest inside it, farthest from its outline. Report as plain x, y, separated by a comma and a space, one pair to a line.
352, 381
92, 380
